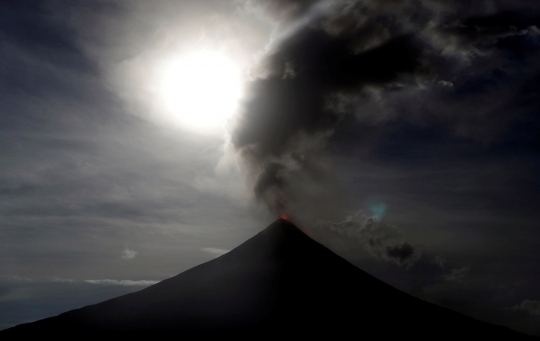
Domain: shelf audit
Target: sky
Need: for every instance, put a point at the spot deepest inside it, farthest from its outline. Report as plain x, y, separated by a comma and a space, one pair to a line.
139, 139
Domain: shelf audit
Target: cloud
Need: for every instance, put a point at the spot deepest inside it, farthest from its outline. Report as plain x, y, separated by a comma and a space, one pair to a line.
440, 260
128, 254
124, 282
377, 238
19, 278
64, 280
400, 252
457, 274
215, 251
530, 306
280, 10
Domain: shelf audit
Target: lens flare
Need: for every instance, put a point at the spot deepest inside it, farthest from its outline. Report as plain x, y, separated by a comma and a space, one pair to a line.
378, 210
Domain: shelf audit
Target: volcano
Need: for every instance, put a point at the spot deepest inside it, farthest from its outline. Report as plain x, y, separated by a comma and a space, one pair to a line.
278, 283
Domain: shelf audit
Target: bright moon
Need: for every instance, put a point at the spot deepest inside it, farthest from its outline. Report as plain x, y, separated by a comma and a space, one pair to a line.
201, 90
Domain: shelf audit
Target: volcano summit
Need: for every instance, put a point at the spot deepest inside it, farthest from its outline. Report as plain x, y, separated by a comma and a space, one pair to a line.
280, 281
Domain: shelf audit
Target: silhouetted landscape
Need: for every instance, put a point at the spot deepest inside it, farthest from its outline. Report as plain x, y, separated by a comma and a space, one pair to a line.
279, 281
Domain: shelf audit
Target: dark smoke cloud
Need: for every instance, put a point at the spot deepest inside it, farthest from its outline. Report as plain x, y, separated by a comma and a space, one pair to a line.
329, 61
293, 97
400, 252
381, 240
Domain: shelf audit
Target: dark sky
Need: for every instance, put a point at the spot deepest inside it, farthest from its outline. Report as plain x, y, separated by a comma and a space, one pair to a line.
403, 135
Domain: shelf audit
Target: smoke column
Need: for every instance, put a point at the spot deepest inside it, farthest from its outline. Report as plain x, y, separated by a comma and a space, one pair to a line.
293, 102
329, 58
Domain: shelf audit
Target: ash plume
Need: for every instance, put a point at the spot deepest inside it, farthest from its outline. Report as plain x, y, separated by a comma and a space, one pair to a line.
289, 111
329, 61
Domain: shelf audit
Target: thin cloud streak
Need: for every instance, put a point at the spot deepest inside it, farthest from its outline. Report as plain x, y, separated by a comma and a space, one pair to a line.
124, 282
215, 251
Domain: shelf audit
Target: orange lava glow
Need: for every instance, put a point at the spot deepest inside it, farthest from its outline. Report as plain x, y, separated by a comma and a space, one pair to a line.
284, 217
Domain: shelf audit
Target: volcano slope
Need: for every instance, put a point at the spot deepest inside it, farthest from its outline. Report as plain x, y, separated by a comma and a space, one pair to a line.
280, 282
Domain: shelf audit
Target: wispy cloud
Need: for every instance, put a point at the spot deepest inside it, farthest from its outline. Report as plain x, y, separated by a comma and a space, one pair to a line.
128, 254
124, 282
532, 307
380, 239
457, 275
215, 251
19, 278
64, 280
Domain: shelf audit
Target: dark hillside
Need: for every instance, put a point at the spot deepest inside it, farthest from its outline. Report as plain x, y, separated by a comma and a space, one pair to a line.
280, 281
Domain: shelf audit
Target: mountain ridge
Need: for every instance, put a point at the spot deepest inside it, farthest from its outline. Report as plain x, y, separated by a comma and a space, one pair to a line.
278, 281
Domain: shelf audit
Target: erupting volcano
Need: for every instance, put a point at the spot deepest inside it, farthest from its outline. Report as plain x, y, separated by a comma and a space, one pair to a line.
278, 281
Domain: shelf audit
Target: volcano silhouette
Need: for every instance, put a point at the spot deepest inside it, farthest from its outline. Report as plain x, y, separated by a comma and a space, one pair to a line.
280, 283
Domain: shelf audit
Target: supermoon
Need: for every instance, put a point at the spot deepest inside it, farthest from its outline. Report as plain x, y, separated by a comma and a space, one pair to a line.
200, 91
